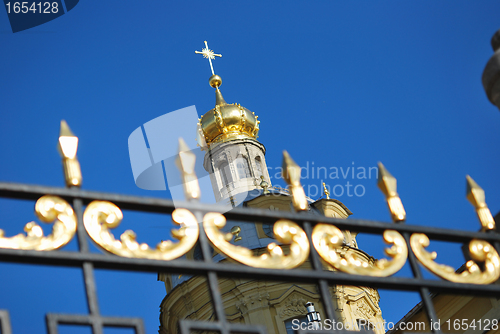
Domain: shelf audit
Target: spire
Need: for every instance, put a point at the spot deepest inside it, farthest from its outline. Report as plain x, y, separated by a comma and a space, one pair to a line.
226, 121
219, 100
215, 81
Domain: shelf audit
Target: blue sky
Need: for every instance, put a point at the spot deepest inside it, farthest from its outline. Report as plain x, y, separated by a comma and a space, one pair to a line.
336, 83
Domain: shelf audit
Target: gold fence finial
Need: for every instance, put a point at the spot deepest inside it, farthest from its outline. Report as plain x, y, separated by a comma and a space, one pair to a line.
68, 146
186, 162
291, 174
475, 195
388, 185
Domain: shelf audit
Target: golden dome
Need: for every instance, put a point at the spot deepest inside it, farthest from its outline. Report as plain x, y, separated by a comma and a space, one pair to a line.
227, 121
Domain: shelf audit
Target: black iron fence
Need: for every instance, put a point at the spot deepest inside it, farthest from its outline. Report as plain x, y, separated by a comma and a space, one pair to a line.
89, 261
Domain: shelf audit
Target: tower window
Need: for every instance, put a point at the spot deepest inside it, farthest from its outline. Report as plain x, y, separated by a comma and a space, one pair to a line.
258, 165
225, 173
268, 229
242, 167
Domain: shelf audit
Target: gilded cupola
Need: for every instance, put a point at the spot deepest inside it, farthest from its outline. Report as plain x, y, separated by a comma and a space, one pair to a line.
227, 121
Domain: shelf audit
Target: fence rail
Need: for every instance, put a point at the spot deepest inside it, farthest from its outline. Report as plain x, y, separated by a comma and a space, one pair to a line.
89, 261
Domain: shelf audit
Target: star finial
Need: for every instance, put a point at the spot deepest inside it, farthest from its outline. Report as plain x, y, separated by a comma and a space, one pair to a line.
207, 53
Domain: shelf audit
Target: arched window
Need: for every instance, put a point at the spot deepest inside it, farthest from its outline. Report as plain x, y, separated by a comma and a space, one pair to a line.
258, 165
268, 229
242, 167
225, 173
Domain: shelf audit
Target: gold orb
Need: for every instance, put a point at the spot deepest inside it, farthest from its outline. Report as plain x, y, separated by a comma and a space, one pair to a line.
215, 81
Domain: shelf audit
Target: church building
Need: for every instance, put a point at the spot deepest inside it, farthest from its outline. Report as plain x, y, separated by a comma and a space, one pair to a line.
235, 160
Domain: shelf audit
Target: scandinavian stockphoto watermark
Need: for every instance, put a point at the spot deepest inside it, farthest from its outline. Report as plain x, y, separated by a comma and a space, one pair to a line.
339, 180
153, 150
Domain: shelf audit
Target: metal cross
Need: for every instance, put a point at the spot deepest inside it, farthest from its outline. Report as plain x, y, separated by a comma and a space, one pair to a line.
207, 53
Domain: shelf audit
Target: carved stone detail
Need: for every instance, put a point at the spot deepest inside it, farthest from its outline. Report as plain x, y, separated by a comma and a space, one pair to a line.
372, 294
254, 301
363, 310
340, 296
294, 305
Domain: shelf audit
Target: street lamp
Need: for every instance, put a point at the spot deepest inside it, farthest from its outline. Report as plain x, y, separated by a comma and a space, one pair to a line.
313, 316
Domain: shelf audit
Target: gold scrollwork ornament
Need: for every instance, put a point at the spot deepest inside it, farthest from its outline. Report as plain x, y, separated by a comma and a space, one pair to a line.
328, 238
100, 216
48, 209
479, 250
285, 231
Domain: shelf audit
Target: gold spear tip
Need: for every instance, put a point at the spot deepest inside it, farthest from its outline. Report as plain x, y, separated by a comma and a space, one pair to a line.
388, 185
386, 182
68, 142
187, 159
65, 130
291, 171
67, 147
183, 147
291, 174
287, 159
475, 194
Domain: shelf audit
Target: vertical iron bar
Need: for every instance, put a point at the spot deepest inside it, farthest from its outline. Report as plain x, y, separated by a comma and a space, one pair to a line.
5, 322
213, 284
213, 281
139, 328
90, 287
183, 327
83, 245
424, 292
51, 325
322, 284
496, 244
88, 270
